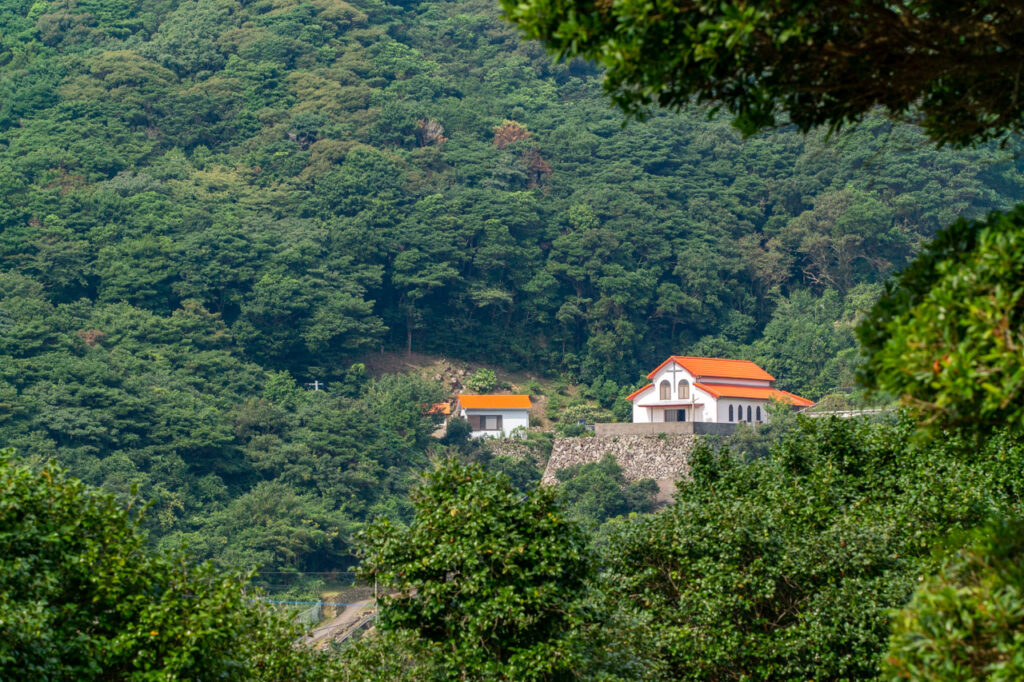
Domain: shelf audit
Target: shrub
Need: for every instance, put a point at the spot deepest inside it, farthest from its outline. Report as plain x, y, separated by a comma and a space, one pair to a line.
785, 567
967, 622
597, 491
573, 430
553, 410
482, 381
83, 597
486, 577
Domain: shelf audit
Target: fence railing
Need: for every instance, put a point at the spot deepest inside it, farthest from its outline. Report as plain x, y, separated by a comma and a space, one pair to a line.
670, 428
310, 616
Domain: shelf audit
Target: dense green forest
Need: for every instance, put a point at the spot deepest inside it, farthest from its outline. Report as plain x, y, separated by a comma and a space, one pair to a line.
206, 204
329, 178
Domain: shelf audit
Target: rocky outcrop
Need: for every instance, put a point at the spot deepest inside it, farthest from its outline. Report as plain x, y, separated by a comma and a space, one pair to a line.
661, 457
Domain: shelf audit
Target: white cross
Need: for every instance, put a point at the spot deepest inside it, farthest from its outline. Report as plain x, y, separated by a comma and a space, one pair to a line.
675, 369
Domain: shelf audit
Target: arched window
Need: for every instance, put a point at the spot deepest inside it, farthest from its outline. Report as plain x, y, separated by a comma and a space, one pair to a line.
758, 413
749, 419
684, 390
665, 390
730, 413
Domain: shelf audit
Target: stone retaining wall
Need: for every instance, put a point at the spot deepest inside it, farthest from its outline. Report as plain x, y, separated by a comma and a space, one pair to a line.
510, 447
664, 457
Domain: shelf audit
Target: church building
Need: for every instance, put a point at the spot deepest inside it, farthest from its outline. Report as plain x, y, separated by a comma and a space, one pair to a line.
708, 390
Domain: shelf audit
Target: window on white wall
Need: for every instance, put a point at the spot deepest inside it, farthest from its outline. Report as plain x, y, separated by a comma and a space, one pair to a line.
684, 390
492, 422
730, 413
758, 413
665, 391
749, 417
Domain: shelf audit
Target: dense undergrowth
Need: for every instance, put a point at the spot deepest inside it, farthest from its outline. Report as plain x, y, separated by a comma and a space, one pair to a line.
207, 204
200, 194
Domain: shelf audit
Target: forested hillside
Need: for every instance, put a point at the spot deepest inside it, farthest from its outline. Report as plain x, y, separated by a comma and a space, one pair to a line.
330, 177
207, 203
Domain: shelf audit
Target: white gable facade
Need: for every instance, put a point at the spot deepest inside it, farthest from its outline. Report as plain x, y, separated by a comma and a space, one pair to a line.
685, 389
495, 416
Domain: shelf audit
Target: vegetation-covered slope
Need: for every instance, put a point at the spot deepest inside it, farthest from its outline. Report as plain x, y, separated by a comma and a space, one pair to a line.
330, 177
198, 196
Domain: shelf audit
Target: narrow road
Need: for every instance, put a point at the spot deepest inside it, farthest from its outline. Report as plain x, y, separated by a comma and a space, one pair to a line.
354, 614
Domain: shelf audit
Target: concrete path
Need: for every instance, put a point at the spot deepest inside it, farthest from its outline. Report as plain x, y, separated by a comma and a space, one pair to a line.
339, 627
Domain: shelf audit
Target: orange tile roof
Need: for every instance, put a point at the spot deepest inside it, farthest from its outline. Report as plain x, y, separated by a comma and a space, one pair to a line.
717, 367
440, 408
495, 402
638, 391
754, 392
797, 400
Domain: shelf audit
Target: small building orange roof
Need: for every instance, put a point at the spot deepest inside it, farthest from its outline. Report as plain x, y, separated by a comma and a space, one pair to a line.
717, 367
440, 408
753, 392
495, 402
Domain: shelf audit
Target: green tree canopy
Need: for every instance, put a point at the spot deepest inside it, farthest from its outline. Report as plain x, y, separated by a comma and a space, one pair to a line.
952, 66
948, 336
82, 597
967, 621
485, 576
785, 567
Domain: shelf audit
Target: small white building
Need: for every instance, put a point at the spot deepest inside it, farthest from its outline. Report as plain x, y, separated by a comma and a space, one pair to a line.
496, 416
708, 390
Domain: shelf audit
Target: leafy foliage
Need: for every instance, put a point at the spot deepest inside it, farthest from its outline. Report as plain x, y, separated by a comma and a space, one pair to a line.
239, 462
784, 567
482, 381
819, 63
948, 335
967, 621
82, 597
486, 576
598, 491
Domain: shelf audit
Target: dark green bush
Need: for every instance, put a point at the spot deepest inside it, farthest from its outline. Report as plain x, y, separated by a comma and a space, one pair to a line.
785, 567
966, 622
82, 597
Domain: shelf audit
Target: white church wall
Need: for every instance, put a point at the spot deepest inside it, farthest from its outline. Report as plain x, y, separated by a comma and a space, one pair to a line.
641, 415
739, 403
673, 377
